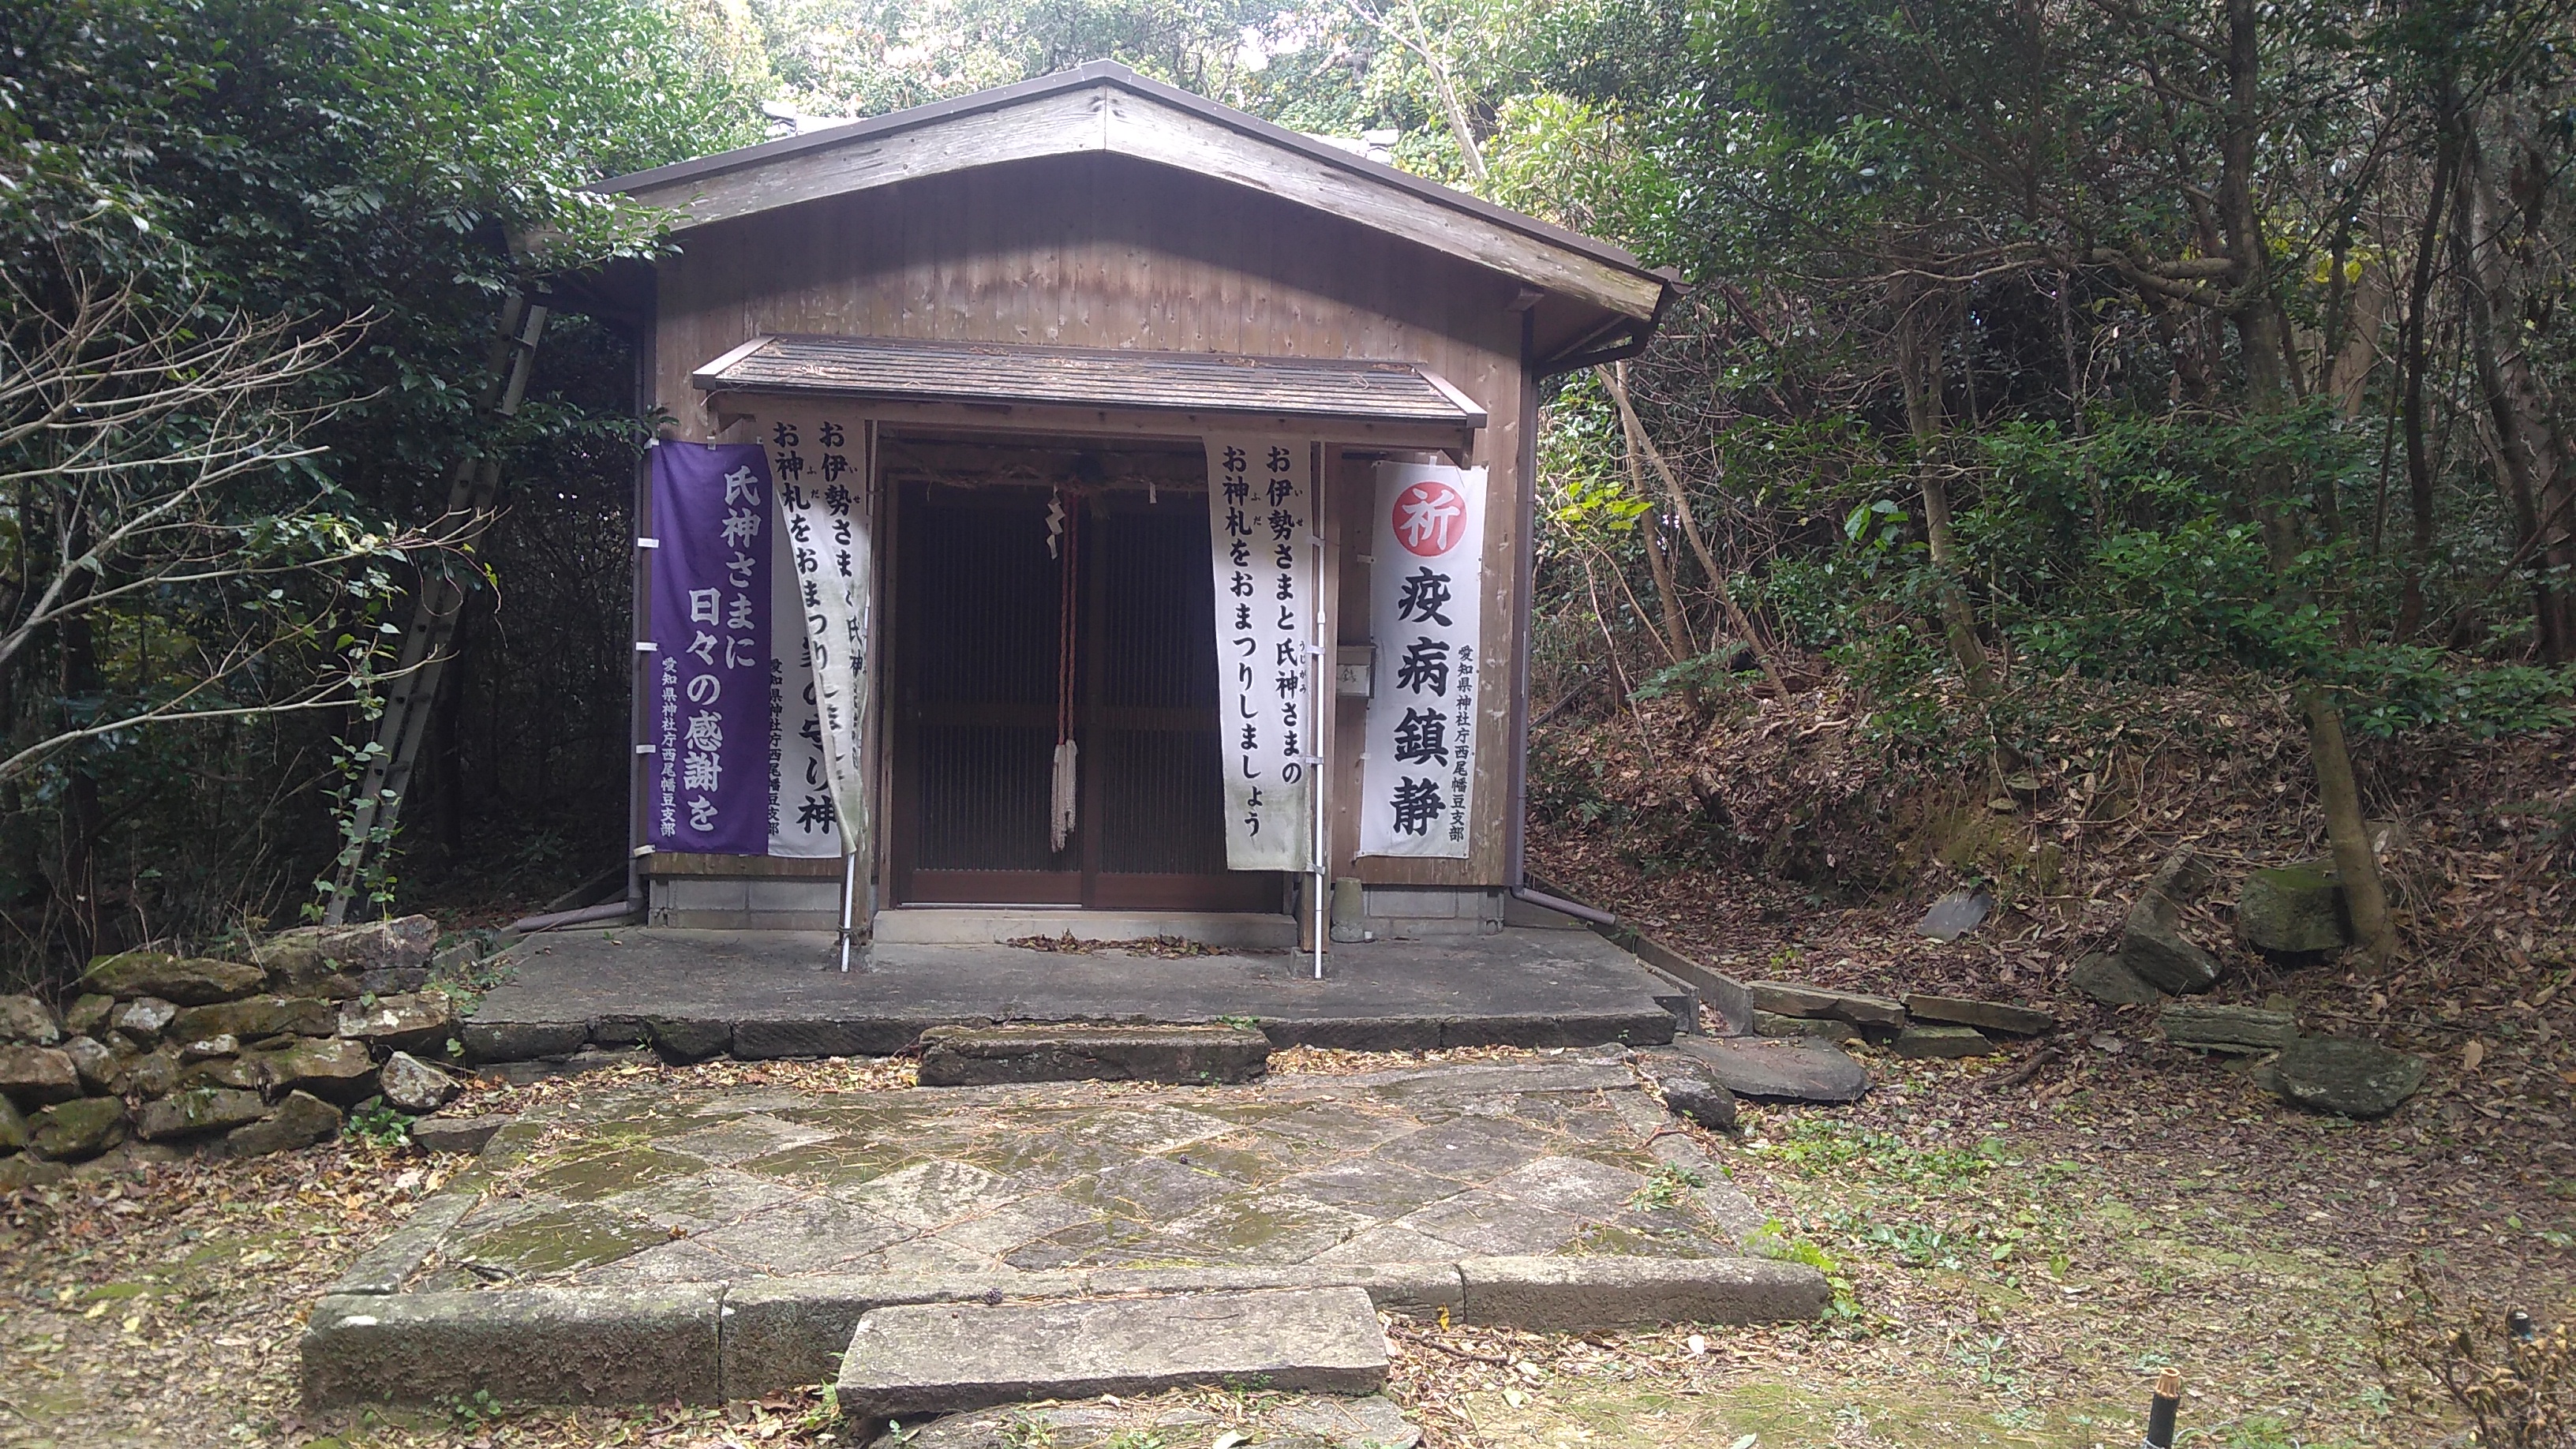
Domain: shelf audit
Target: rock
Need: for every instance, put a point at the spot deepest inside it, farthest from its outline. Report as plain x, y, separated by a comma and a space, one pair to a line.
153, 1074
2182, 877
211, 1046
188, 980
383, 955
456, 1134
1984, 1015
13, 1127
418, 1022
196, 1111
2102, 977
452, 961
415, 1086
2241, 1030
300, 1121
2294, 912
1772, 1023
86, 1127
332, 1068
25, 1019
1793, 998
87, 1015
35, 1075
259, 1017
24, 1171
143, 1019
1943, 1041
2154, 950
239, 1073
1790, 1071
1701, 1100
2347, 1077
1955, 915
254, 1017
101, 1071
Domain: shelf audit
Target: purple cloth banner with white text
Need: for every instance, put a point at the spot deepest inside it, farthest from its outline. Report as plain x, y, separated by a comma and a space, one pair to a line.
709, 715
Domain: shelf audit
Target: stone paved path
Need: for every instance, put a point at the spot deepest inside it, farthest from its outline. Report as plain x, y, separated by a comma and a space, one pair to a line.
1433, 1165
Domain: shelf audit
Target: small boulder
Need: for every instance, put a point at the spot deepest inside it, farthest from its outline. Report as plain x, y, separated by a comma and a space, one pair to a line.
1943, 1041
379, 955
254, 1017
2294, 913
332, 1068
414, 1086
27, 1170
1983, 1015
2154, 950
101, 1070
143, 1019
239, 1073
1694, 1096
2346, 1077
415, 1022
204, 1048
87, 1015
25, 1019
187, 980
1770, 1070
1955, 915
153, 1074
456, 1134
36, 1075
1772, 1023
2102, 977
2181, 877
13, 1127
2237, 1030
1796, 998
300, 1121
196, 1111
86, 1127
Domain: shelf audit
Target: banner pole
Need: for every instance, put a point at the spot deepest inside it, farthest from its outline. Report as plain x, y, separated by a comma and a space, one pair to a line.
849, 896
1319, 678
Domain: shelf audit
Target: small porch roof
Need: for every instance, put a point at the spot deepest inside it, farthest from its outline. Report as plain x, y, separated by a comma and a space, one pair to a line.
1370, 400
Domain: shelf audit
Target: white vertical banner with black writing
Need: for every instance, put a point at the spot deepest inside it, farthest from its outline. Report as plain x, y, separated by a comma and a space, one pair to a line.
1426, 596
1261, 520
823, 582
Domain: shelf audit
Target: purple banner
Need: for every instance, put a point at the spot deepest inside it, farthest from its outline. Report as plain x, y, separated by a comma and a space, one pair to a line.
710, 666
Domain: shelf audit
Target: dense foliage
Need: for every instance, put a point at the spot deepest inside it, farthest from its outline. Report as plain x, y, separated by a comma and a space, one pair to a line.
2029, 352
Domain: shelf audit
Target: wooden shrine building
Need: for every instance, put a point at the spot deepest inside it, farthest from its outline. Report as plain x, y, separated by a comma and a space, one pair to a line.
1165, 452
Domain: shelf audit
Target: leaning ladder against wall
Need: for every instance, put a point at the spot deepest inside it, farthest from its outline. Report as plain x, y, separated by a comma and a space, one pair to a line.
436, 605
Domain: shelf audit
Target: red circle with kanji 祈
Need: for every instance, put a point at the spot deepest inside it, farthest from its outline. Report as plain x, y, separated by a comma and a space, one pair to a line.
1430, 518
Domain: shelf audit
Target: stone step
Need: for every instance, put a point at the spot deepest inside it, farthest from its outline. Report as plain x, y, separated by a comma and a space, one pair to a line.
969, 1056
944, 1358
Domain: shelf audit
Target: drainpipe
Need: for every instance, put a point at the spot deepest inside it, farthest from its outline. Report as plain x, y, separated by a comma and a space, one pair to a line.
1525, 570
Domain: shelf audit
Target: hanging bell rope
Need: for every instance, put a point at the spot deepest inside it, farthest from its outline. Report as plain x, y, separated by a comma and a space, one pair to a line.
1063, 528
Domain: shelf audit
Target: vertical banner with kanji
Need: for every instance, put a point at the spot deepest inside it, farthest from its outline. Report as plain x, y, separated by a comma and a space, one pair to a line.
1426, 593
709, 789
1261, 521
825, 583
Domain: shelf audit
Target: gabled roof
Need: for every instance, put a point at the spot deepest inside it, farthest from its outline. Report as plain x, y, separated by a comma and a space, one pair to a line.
1105, 107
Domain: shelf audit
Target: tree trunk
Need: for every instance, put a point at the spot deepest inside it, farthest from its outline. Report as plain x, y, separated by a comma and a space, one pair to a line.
2413, 362
2263, 340
1616, 378
1676, 636
2531, 453
1918, 371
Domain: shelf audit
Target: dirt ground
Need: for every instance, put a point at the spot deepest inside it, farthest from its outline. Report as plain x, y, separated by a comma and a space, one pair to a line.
2020, 1252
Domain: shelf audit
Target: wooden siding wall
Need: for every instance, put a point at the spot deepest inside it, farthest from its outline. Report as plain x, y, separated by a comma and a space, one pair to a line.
1105, 251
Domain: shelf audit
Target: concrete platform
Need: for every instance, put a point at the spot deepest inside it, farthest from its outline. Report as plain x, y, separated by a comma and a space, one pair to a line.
777, 994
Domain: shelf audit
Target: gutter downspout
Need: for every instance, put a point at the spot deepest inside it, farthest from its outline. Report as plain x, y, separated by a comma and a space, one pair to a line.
1525, 569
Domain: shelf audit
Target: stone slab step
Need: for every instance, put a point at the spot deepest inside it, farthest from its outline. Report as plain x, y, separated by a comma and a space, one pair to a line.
1781, 1069
1797, 998
966, 1056
943, 1358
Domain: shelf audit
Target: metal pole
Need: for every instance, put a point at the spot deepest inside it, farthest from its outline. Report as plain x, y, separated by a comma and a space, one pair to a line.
849, 892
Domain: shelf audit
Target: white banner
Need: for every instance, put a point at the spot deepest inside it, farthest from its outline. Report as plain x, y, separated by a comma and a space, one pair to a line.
1426, 597
820, 592
1261, 522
